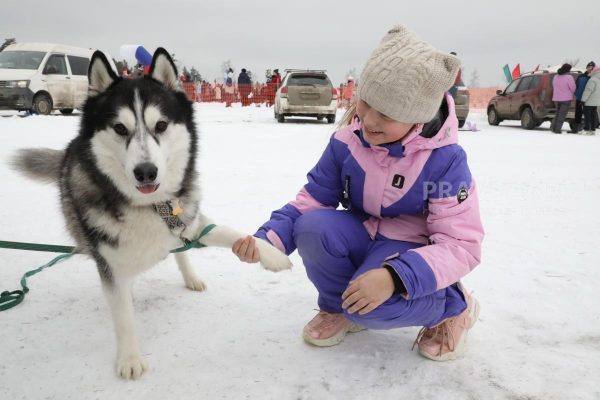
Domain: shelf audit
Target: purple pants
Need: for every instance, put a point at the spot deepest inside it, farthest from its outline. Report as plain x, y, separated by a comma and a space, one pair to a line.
336, 248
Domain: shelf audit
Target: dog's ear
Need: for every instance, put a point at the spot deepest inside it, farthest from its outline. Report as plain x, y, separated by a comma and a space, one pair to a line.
100, 74
163, 69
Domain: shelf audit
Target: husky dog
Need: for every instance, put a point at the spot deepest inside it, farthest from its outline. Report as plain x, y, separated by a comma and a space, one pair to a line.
129, 190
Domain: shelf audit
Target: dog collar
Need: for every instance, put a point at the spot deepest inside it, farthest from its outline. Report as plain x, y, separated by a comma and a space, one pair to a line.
170, 214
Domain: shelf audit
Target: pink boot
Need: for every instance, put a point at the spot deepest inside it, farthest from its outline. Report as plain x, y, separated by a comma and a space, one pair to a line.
328, 329
448, 339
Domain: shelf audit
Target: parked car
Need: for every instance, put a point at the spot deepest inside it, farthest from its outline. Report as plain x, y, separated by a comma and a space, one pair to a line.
528, 99
306, 93
42, 77
461, 103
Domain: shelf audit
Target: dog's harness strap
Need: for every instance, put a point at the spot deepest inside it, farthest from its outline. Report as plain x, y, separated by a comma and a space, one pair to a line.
189, 244
9, 300
51, 248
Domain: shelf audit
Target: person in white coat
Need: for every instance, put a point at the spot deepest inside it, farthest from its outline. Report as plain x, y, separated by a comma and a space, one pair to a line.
591, 102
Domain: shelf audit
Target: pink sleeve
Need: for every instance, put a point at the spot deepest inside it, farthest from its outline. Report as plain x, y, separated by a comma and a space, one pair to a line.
305, 202
456, 232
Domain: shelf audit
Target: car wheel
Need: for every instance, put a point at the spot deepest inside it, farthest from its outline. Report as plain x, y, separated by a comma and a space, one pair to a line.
493, 117
42, 104
528, 121
66, 111
280, 118
331, 119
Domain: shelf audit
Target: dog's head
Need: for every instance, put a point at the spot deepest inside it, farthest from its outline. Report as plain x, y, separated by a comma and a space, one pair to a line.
141, 131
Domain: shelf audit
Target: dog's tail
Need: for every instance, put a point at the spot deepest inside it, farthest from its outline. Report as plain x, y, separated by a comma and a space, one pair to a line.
39, 164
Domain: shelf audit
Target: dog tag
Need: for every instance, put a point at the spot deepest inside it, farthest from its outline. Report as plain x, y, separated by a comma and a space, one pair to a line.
177, 209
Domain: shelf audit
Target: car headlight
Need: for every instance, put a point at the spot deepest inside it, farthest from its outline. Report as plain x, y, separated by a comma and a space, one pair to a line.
19, 84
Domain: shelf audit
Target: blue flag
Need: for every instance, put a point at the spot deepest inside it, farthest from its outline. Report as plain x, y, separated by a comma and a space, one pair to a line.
507, 74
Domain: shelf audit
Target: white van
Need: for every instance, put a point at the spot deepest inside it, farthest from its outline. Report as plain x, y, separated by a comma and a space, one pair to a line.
42, 77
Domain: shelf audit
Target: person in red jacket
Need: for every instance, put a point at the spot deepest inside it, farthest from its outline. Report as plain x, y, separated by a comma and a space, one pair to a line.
272, 86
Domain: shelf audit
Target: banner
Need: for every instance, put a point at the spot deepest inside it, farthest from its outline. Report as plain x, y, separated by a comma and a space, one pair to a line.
137, 52
507, 74
516, 72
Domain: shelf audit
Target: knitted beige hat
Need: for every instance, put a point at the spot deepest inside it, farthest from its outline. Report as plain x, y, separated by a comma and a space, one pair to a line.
406, 78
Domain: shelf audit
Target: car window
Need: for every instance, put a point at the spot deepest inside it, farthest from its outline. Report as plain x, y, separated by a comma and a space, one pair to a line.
535, 82
511, 88
56, 65
525, 83
308, 80
79, 65
21, 59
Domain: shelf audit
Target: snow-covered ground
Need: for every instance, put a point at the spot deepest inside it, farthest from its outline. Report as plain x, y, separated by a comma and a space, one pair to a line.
539, 331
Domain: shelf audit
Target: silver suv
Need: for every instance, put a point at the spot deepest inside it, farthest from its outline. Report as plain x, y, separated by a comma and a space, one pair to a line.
461, 104
306, 93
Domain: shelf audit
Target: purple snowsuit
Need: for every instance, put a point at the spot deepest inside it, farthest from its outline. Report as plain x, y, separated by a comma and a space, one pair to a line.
411, 205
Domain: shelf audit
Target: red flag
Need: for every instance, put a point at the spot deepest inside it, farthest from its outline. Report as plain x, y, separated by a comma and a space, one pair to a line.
537, 68
516, 72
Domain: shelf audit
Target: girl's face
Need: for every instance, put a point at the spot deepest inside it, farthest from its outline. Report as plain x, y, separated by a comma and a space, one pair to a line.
378, 128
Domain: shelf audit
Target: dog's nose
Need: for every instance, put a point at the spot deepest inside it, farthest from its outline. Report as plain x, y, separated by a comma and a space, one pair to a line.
145, 172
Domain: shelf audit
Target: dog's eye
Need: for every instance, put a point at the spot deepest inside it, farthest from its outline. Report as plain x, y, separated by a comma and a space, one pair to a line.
160, 127
120, 129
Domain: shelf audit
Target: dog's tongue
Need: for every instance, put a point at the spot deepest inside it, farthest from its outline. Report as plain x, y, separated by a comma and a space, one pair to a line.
147, 189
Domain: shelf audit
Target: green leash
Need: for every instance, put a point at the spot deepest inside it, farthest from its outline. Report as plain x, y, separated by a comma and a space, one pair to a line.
9, 300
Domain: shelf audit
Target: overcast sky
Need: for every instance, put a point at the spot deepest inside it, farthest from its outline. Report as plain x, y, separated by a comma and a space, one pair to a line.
324, 34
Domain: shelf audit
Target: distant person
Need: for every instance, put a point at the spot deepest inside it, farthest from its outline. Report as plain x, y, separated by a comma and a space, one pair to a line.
457, 82
229, 88
580, 83
411, 227
563, 86
342, 88
273, 85
348, 92
591, 100
276, 78
244, 87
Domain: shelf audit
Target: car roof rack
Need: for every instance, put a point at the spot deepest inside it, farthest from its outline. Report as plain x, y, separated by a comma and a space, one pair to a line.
287, 70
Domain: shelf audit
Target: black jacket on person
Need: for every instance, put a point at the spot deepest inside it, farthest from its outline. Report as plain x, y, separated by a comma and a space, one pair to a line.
244, 79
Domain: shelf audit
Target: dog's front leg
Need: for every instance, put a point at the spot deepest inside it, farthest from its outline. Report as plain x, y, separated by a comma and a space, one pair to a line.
270, 257
130, 364
191, 280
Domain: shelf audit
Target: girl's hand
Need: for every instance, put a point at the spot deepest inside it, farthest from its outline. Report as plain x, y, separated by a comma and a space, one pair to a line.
368, 291
246, 250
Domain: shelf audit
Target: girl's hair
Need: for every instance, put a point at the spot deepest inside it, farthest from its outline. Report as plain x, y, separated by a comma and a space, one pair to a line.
348, 115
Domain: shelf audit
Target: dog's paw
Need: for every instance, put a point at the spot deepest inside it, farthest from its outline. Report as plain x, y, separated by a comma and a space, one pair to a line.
131, 366
271, 257
195, 283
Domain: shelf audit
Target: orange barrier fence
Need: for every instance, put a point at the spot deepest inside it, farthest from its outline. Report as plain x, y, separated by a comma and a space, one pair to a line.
259, 94
256, 94
479, 97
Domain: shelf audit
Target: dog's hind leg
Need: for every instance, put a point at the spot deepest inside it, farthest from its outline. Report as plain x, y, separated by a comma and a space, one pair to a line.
190, 278
130, 364
270, 257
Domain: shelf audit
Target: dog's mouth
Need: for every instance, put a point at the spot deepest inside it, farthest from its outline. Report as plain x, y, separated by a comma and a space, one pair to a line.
147, 189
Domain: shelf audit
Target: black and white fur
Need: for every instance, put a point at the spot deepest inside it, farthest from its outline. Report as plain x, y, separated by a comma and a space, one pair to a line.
136, 135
